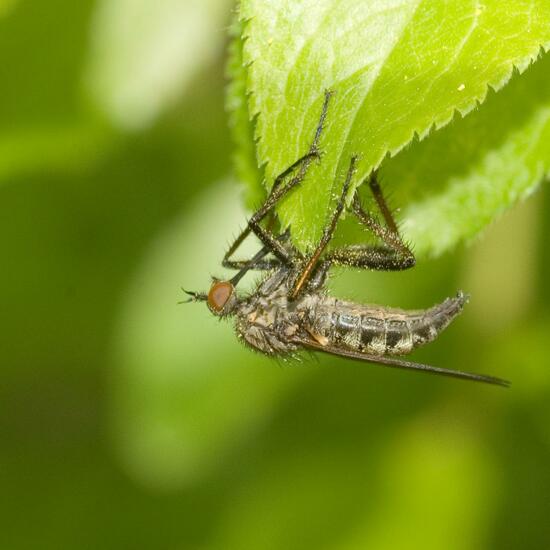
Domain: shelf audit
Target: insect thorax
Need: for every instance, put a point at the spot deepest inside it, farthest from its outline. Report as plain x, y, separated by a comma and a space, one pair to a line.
267, 321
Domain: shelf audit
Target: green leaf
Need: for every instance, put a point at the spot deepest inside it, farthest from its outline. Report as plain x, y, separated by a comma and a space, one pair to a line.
242, 128
463, 177
399, 69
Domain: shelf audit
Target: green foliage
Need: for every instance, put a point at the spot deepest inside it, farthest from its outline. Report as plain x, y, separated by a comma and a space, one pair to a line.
242, 129
128, 421
141, 58
221, 396
459, 179
399, 70
6, 6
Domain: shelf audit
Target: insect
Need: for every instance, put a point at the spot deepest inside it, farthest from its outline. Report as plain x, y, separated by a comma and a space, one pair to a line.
290, 309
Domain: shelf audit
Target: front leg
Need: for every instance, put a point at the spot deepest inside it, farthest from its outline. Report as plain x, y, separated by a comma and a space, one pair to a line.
279, 191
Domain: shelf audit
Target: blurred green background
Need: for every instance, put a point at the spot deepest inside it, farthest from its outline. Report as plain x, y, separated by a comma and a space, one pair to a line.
127, 421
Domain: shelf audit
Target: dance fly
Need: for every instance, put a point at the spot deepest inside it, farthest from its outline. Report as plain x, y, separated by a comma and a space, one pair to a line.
291, 310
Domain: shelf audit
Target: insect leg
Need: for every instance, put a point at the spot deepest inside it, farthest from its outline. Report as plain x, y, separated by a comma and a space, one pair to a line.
260, 265
258, 262
378, 258
254, 263
376, 191
389, 234
278, 191
326, 237
394, 255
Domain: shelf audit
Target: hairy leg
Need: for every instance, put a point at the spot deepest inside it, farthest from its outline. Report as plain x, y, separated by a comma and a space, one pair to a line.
393, 255
278, 191
328, 232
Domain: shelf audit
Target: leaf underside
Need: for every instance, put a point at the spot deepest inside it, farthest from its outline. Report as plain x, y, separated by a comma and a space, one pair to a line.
457, 181
399, 70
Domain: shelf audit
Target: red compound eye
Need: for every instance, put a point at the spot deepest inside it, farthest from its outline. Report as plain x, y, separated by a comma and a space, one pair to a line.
219, 293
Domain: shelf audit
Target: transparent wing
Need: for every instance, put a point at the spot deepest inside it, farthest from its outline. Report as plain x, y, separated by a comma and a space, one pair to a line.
395, 362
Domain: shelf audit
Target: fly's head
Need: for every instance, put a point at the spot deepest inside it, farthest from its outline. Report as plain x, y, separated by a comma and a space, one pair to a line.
221, 298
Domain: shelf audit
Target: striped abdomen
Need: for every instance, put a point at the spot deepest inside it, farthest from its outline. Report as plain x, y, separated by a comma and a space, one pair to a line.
377, 330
